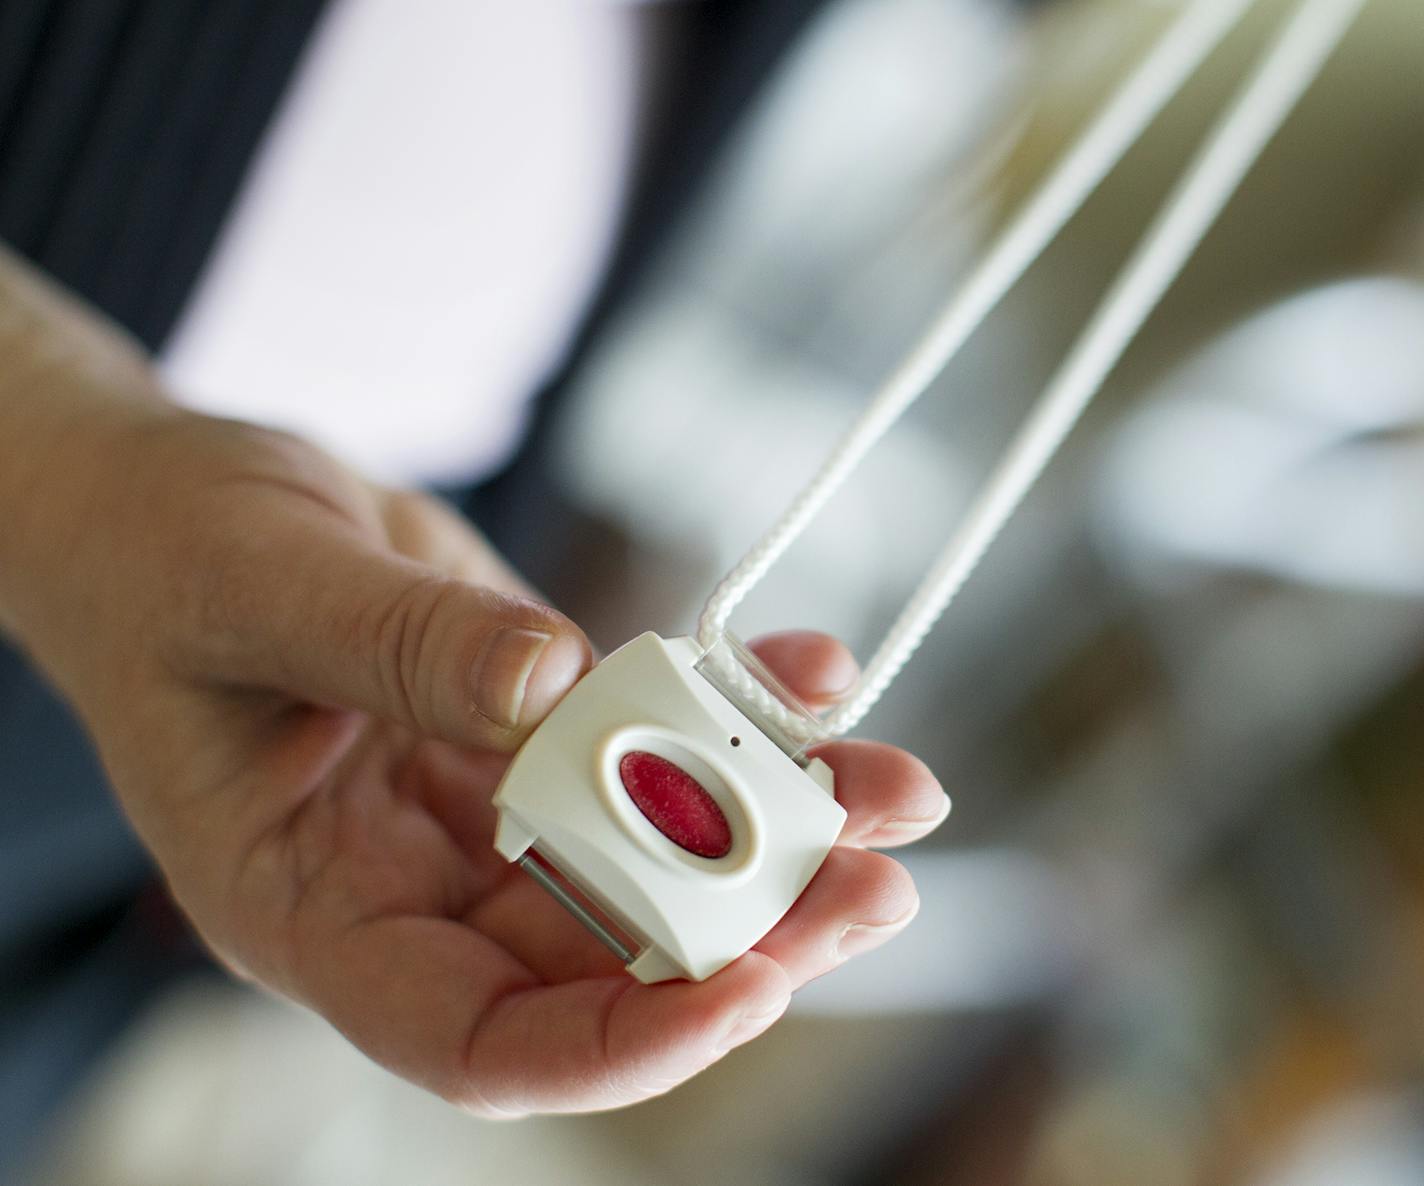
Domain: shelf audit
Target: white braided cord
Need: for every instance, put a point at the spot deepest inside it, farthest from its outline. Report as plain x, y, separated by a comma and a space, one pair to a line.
1286, 71
1151, 86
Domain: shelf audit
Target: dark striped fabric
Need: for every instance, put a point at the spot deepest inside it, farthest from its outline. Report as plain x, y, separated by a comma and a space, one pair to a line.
125, 130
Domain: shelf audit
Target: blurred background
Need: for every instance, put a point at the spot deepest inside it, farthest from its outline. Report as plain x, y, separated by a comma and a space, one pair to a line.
1173, 931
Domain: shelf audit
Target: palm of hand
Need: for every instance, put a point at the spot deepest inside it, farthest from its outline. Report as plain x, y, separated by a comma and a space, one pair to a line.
343, 856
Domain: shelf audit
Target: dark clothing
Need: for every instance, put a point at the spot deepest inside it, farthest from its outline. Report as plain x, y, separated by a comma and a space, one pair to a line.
125, 129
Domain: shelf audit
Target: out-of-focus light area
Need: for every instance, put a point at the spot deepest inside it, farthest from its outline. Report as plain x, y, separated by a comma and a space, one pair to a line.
1173, 931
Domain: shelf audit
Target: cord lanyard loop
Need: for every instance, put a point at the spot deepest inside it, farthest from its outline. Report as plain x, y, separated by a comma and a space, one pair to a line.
1285, 72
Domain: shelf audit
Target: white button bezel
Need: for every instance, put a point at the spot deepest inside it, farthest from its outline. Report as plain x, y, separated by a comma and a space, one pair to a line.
733, 799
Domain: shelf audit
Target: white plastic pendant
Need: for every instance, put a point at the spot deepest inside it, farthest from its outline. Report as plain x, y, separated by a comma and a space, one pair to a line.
667, 810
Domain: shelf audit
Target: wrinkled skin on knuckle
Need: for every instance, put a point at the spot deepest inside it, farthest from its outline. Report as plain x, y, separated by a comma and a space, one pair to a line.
405, 639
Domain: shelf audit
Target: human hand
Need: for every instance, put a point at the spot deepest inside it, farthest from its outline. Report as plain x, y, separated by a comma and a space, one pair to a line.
305, 689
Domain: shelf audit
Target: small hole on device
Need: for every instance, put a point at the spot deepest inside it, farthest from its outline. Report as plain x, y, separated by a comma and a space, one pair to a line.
736, 741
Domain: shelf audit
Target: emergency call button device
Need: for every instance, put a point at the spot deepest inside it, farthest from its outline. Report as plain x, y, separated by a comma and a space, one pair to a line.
665, 811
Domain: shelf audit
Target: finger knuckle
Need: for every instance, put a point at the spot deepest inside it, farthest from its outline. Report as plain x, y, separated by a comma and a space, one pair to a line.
888, 889
404, 639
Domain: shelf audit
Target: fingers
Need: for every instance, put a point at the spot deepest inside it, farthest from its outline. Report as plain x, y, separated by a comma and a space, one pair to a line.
857, 901
890, 796
443, 1005
317, 610
817, 668
605, 1043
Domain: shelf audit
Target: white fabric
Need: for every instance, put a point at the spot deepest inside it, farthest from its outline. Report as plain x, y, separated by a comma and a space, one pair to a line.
420, 232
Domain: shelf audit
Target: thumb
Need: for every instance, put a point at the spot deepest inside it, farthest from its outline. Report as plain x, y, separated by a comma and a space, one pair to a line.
334, 619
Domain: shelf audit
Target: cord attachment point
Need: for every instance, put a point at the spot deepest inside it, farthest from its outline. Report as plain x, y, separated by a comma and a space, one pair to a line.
730, 667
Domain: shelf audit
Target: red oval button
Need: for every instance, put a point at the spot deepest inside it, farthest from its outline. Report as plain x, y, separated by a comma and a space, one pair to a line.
676, 804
